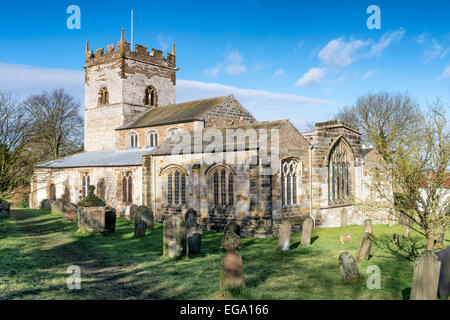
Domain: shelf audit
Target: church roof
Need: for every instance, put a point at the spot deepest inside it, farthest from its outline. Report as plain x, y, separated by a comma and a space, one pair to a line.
174, 113
98, 159
169, 145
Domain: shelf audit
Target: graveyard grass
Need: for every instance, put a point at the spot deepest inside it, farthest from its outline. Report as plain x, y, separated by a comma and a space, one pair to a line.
37, 247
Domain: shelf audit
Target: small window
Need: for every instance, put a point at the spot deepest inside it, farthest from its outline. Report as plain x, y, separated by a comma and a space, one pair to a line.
103, 97
86, 182
289, 172
171, 132
150, 98
133, 140
152, 139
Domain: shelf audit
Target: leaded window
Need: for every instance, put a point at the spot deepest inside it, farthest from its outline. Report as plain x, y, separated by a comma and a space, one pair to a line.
339, 172
289, 173
223, 185
176, 186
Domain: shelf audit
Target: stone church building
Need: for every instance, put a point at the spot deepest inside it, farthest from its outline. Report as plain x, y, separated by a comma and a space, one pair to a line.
133, 126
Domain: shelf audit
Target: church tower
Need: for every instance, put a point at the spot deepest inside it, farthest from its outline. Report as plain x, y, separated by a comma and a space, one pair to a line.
120, 84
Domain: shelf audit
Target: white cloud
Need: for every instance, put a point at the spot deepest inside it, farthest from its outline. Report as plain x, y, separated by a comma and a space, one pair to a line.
422, 38
340, 53
235, 66
368, 74
314, 75
445, 74
386, 39
277, 74
214, 72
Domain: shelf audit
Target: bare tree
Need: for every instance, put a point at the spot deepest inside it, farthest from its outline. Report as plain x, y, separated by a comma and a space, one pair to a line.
16, 164
416, 157
56, 126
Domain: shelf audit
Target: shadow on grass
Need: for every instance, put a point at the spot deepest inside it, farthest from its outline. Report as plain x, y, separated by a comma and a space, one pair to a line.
407, 249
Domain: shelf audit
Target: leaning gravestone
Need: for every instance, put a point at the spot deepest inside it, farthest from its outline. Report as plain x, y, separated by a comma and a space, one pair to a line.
133, 213
194, 238
364, 247
70, 212
146, 215
190, 217
426, 277
348, 267
232, 272
5, 209
140, 227
285, 235
174, 237
406, 231
94, 216
444, 274
57, 207
46, 204
233, 226
307, 227
344, 218
368, 226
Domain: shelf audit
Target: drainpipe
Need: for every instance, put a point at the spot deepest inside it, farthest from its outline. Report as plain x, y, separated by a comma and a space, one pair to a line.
311, 147
362, 188
154, 185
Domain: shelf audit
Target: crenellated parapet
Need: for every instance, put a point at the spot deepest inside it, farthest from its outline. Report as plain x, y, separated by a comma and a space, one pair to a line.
124, 50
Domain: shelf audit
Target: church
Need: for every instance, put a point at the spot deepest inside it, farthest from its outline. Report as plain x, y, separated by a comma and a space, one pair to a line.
142, 147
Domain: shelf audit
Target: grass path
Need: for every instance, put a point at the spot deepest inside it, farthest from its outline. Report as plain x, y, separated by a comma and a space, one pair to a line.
36, 248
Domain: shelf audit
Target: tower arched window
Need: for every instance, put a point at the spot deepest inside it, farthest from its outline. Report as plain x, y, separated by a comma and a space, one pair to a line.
221, 177
127, 187
152, 139
150, 97
340, 169
132, 140
103, 97
289, 175
86, 182
176, 186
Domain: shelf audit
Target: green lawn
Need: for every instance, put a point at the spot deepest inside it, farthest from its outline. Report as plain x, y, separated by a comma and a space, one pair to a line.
36, 248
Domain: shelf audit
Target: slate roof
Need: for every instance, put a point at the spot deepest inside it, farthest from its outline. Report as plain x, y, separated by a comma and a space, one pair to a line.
174, 113
98, 159
167, 147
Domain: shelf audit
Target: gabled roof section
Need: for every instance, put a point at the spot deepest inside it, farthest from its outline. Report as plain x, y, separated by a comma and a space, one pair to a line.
174, 113
173, 143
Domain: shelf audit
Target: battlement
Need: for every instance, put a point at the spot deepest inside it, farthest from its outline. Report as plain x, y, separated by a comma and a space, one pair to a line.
124, 50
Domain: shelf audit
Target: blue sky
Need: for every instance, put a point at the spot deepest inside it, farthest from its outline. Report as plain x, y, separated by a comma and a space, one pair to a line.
283, 59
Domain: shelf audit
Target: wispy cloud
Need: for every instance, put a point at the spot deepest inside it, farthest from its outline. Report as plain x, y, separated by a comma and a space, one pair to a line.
164, 42
368, 74
446, 73
277, 74
341, 53
234, 60
214, 72
386, 39
313, 75
433, 48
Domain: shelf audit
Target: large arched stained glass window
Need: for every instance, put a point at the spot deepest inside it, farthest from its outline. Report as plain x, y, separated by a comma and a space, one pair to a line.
339, 172
176, 186
223, 185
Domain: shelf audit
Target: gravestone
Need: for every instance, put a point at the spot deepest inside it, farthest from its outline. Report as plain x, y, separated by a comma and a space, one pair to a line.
346, 238
46, 204
233, 226
70, 212
440, 242
57, 207
364, 247
368, 226
444, 274
406, 231
133, 213
140, 227
190, 217
174, 237
344, 218
285, 235
395, 239
110, 219
146, 215
348, 267
307, 227
232, 272
5, 209
426, 277
194, 238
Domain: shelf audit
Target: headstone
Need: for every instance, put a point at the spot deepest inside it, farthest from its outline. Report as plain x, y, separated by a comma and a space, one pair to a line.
147, 215
368, 226
140, 227
174, 237
190, 217
285, 235
133, 213
232, 272
426, 277
233, 226
364, 247
348, 267
344, 218
406, 231
110, 219
444, 274
194, 238
346, 238
46, 204
395, 239
57, 207
307, 231
440, 242
5, 209
70, 212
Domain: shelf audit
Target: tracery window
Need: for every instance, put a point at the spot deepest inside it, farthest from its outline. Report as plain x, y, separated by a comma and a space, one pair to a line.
223, 186
339, 172
150, 97
103, 97
289, 174
127, 187
176, 186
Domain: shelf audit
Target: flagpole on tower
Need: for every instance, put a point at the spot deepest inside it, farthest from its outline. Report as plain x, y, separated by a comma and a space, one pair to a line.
132, 29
